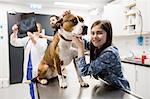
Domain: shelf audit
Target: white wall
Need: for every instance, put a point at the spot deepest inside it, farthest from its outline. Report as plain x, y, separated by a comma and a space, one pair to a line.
4, 64
4, 49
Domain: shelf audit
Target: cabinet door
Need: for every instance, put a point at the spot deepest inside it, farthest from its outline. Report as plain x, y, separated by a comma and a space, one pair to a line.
114, 13
129, 74
143, 81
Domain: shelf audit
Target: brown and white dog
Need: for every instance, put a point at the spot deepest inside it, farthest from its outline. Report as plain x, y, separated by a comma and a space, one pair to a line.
61, 52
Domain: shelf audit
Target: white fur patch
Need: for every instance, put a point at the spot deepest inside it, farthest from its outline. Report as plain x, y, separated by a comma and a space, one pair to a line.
67, 52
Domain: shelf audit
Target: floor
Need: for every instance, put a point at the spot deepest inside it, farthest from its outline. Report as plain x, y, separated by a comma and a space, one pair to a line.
15, 91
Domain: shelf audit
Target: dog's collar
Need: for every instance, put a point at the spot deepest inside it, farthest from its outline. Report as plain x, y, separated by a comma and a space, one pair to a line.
64, 38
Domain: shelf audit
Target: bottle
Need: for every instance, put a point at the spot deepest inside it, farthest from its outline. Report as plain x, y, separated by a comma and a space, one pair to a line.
143, 57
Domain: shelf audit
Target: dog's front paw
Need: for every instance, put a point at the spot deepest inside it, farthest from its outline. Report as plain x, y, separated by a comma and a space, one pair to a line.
43, 81
62, 82
63, 85
83, 84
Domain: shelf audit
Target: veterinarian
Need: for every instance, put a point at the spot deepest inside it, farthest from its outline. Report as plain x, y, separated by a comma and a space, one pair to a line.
32, 44
105, 61
52, 21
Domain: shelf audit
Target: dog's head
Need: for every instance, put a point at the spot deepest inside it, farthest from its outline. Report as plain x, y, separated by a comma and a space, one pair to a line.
73, 24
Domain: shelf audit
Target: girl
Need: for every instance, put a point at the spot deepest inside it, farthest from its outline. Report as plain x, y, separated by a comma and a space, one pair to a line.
105, 61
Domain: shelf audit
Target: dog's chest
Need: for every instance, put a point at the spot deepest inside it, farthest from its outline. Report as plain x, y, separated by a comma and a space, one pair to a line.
66, 52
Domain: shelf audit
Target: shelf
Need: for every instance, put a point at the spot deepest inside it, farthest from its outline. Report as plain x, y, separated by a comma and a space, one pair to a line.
131, 14
131, 34
130, 18
130, 25
132, 4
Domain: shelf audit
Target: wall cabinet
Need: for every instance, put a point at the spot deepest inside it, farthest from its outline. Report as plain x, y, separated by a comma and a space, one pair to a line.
137, 16
114, 13
130, 17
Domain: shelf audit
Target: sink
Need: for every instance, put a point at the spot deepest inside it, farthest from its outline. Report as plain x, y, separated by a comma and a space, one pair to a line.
133, 59
136, 60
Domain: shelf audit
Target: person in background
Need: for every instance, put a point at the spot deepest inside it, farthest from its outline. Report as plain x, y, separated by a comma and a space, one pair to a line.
105, 62
54, 18
33, 45
52, 21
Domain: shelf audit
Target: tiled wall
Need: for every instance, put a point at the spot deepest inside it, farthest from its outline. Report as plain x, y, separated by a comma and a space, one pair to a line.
128, 44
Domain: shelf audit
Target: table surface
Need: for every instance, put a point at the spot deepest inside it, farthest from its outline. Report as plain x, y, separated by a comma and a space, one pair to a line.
96, 89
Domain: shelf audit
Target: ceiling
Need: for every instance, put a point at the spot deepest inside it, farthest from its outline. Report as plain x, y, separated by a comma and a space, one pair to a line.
50, 3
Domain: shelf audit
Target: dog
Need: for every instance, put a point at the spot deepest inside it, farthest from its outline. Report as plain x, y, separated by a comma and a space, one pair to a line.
60, 52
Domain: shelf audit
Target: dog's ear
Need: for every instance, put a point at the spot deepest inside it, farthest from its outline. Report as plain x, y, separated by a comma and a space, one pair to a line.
58, 23
80, 18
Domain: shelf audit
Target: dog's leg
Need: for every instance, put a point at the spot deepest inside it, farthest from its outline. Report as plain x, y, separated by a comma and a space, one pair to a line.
64, 72
82, 83
42, 74
61, 79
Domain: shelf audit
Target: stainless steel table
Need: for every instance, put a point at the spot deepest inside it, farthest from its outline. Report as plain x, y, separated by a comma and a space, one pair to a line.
96, 89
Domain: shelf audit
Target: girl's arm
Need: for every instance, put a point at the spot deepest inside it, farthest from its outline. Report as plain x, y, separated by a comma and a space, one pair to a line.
106, 60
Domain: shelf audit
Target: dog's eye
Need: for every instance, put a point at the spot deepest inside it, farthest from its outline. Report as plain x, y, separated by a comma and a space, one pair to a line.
74, 21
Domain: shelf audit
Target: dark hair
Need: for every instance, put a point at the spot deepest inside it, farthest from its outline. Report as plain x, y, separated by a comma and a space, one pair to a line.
106, 26
57, 17
55, 28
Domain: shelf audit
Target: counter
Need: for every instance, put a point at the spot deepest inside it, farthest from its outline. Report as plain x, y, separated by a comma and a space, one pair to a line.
135, 62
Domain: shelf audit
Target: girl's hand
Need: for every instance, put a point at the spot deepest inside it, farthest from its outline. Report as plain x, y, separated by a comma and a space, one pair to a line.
78, 42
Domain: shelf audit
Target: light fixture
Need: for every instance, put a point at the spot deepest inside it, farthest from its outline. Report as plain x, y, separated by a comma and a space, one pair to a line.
72, 4
36, 6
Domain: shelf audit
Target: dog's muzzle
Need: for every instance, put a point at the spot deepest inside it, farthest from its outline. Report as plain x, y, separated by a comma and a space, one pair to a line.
85, 28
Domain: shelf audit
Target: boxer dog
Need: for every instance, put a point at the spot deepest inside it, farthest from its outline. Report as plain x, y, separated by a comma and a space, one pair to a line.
60, 52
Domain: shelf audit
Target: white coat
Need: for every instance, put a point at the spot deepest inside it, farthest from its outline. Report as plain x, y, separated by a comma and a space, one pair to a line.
37, 51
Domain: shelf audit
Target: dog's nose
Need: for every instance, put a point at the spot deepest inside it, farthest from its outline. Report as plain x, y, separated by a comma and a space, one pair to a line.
85, 28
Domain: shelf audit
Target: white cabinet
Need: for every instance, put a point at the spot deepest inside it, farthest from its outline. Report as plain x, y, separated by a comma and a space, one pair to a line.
130, 13
143, 81
114, 13
139, 79
130, 74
